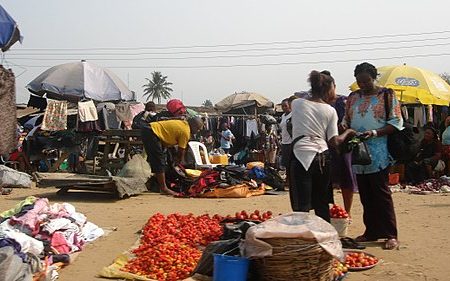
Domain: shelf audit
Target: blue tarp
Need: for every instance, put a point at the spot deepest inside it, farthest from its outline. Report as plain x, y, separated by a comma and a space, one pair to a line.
9, 33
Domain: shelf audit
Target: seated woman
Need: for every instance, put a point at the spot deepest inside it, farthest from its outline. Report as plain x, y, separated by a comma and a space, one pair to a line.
427, 159
446, 140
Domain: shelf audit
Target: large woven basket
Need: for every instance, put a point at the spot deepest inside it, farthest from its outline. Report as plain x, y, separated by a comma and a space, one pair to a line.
294, 259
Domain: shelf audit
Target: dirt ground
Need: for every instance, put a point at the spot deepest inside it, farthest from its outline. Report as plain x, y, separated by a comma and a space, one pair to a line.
423, 222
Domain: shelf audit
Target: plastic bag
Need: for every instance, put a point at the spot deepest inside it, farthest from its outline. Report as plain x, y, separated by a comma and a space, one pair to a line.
298, 225
206, 263
137, 167
12, 178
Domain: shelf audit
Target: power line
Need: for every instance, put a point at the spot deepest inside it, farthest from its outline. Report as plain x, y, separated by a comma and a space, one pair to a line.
239, 44
238, 50
266, 64
243, 56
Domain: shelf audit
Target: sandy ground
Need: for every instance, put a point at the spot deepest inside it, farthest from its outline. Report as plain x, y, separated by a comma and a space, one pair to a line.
423, 222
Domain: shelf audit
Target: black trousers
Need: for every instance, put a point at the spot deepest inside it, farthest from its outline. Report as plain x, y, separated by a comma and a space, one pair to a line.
156, 154
309, 189
378, 206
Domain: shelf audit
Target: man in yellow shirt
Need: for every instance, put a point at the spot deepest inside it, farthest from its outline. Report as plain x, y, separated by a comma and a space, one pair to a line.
167, 133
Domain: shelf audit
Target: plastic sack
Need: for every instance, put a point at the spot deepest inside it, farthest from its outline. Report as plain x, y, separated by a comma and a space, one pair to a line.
137, 167
12, 178
206, 263
340, 225
299, 225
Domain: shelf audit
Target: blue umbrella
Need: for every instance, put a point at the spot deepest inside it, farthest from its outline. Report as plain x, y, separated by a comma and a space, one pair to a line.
9, 32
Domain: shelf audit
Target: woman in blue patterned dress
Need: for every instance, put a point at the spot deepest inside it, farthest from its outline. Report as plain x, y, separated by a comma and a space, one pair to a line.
366, 113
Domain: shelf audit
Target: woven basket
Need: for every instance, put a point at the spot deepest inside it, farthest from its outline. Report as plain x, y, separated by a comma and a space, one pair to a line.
294, 259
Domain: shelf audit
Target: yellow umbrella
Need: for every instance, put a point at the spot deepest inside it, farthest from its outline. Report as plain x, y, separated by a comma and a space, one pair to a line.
413, 84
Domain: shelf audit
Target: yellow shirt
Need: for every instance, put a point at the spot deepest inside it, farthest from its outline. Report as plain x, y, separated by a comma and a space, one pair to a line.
172, 132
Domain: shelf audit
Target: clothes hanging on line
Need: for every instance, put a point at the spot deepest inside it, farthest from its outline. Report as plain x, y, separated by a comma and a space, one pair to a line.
430, 113
252, 128
8, 129
37, 102
405, 112
55, 116
87, 111
108, 117
123, 112
419, 116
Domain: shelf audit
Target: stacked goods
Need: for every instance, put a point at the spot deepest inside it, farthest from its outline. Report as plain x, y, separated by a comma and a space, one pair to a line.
169, 245
339, 219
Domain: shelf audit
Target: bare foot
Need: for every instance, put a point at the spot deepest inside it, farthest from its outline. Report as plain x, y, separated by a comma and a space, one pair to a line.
166, 191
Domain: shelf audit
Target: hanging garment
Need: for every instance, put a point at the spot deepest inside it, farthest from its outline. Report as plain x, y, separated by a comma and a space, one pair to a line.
123, 112
108, 120
8, 133
137, 108
419, 116
430, 113
55, 117
37, 102
252, 128
405, 113
87, 111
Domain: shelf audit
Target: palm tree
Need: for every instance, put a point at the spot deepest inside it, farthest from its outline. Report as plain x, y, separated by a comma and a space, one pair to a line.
158, 87
207, 103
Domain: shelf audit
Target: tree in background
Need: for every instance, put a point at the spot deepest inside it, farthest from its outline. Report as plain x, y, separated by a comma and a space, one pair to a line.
157, 87
207, 103
446, 77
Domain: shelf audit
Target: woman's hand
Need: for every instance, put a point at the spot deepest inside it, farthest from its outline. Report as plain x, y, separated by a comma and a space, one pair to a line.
369, 134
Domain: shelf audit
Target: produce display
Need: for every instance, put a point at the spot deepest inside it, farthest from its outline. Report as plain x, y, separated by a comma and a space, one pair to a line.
169, 248
337, 212
359, 261
339, 270
256, 215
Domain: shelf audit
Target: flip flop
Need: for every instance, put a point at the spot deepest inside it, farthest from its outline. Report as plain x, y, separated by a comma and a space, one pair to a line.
363, 239
391, 244
350, 243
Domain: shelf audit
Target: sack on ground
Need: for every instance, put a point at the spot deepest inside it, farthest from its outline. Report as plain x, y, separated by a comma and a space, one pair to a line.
137, 167
12, 178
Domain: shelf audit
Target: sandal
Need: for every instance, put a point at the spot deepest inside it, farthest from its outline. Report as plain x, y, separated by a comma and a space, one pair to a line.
362, 239
391, 244
350, 243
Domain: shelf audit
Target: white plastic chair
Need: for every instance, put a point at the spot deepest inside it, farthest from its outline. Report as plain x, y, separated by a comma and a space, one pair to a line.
195, 147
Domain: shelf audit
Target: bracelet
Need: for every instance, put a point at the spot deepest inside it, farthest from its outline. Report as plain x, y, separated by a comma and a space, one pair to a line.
374, 133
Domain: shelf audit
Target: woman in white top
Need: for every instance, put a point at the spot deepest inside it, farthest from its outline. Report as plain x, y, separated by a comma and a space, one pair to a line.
314, 128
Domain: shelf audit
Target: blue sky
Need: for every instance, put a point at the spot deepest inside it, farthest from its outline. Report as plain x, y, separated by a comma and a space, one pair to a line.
73, 25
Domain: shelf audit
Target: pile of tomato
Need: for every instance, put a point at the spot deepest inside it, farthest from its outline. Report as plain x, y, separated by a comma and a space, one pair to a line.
337, 212
339, 270
355, 260
256, 215
169, 245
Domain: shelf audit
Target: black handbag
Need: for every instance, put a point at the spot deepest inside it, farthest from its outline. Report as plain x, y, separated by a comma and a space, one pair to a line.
360, 154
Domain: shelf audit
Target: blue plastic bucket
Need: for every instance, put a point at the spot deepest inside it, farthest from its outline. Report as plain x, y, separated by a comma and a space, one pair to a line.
228, 268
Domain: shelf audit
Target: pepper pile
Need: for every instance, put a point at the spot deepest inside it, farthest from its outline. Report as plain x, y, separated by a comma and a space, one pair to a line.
169, 245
